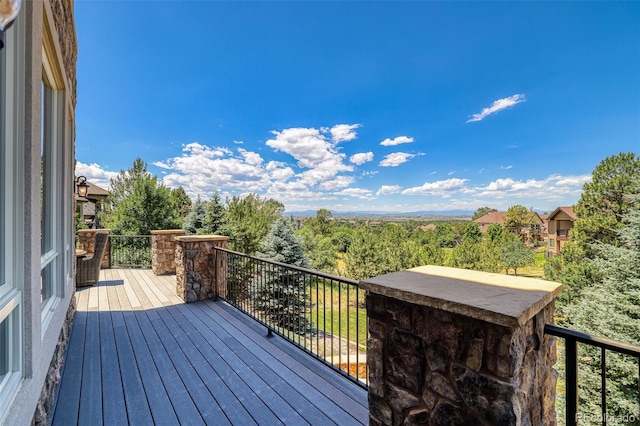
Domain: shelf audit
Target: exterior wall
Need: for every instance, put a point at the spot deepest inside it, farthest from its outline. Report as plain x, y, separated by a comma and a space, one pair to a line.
48, 30
559, 227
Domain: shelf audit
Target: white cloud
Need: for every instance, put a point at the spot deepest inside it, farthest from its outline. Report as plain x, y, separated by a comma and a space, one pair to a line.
357, 193
395, 159
344, 132
497, 106
388, 189
451, 172
95, 174
440, 187
361, 158
554, 188
396, 141
310, 148
506, 167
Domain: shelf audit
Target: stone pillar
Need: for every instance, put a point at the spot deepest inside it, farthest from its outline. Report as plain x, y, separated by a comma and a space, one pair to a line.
457, 347
87, 242
200, 272
163, 251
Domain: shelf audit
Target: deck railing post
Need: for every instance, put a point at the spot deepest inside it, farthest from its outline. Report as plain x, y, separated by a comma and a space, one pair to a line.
571, 381
163, 250
452, 346
198, 270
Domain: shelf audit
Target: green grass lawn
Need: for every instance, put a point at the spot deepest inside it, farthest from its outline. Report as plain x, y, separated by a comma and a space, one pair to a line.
339, 309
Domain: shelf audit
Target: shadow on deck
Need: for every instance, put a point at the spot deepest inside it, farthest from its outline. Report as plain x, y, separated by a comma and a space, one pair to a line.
138, 355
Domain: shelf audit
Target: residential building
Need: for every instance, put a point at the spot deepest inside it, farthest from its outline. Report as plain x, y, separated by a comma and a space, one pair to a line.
534, 230
560, 223
37, 131
89, 206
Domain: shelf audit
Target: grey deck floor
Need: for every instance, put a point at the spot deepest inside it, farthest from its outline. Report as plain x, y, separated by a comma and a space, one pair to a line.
138, 355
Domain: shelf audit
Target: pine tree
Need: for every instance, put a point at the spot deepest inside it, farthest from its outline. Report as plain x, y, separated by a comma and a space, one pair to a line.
611, 308
281, 293
193, 220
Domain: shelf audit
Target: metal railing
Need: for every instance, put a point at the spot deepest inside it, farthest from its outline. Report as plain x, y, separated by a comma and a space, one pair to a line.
130, 251
322, 314
571, 357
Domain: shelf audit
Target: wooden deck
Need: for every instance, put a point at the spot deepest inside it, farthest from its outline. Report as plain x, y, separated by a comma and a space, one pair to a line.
138, 355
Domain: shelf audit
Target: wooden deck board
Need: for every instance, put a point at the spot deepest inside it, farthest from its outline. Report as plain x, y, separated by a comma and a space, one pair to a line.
138, 355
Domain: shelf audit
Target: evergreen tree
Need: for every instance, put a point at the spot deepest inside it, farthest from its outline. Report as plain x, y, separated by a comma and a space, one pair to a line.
494, 231
215, 217
611, 308
181, 201
281, 294
603, 203
472, 233
194, 219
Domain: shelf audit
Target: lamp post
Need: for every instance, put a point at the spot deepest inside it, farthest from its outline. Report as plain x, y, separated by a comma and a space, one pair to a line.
9, 10
81, 186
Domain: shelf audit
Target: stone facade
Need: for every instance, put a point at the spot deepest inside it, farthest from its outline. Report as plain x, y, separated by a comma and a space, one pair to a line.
64, 22
87, 242
50, 387
163, 251
431, 366
199, 268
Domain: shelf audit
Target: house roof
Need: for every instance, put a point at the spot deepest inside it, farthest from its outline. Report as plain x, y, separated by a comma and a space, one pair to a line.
492, 217
94, 193
498, 217
568, 210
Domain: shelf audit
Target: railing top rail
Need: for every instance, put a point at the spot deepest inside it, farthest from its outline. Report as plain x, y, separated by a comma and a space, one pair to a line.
297, 268
600, 342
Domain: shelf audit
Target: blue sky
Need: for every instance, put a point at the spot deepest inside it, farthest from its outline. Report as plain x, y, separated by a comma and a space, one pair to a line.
360, 106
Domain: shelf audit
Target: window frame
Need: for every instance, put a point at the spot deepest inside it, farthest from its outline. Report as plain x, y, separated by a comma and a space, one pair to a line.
53, 138
12, 139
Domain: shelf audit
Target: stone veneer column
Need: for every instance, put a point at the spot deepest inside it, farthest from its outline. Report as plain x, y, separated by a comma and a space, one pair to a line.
457, 347
163, 250
87, 242
200, 272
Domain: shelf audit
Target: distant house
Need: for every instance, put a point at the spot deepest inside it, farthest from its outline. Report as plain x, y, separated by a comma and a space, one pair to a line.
489, 219
536, 228
560, 223
90, 204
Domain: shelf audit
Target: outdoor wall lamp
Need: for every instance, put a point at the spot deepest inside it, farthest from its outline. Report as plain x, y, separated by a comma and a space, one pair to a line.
8, 11
82, 186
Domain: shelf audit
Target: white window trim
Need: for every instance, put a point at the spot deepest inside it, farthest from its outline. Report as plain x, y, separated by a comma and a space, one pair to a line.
12, 166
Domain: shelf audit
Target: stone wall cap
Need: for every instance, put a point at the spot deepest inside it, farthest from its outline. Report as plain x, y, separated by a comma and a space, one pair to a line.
169, 231
92, 231
195, 238
505, 300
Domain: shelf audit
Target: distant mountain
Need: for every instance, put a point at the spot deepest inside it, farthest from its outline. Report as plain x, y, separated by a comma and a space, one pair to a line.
422, 215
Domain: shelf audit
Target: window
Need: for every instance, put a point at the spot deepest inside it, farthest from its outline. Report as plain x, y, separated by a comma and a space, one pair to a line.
552, 242
11, 203
52, 194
